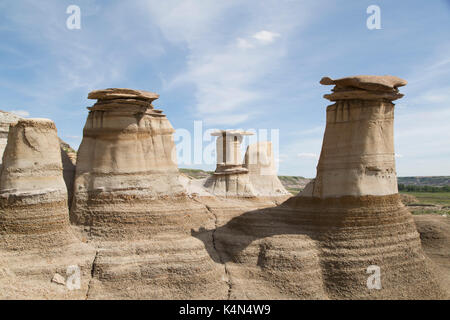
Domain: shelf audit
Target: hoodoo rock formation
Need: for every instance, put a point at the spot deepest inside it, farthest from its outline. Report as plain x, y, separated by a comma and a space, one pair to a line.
230, 178
353, 205
140, 230
67, 153
357, 155
327, 241
256, 177
260, 163
129, 201
34, 221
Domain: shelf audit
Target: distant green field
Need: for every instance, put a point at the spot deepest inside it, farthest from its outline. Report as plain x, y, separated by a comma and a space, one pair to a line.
437, 198
430, 203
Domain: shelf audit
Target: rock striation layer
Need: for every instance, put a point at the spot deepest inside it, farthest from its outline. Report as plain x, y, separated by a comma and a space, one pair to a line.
35, 236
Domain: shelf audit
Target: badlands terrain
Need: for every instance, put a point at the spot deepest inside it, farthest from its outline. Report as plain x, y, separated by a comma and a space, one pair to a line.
120, 216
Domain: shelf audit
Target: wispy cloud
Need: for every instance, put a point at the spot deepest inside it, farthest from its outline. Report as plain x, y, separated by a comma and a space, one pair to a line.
265, 36
227, 69
308, 155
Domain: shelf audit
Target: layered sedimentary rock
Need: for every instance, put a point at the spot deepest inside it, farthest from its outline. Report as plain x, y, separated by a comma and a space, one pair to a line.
230, 179
327, 242
68, 155
357, 155
260, 163
35, 237
353, 204
130, 202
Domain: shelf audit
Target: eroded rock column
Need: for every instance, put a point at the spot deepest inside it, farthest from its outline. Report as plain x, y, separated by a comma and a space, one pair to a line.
129, 201
260, 163
230, 178
352, 209
36, 241
33, 194
357, 155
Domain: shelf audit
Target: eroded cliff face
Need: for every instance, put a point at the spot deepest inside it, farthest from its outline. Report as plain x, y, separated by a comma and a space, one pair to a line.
36, 240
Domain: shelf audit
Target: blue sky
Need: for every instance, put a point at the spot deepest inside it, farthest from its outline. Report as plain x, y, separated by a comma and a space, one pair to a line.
234, 64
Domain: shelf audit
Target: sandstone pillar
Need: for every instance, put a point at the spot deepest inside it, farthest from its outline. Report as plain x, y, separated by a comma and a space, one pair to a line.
33, 194
357, 155
230, 178
128, 199
260, 163
36, 241
353, 208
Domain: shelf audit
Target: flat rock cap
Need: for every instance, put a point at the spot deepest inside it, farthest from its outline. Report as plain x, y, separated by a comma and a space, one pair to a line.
121, 93
232, 133
382, 83
36, 122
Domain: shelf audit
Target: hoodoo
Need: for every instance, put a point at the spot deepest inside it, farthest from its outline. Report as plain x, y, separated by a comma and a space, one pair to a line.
68, 162
128, 199
348, 229
260, 163
357, 155
230, 178
31, 183
34, 217
127, 155
353, 204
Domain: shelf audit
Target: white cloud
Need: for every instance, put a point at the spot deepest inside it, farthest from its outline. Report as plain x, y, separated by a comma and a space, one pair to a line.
226, 75
243, 43
21, 113
265, 36
308, 155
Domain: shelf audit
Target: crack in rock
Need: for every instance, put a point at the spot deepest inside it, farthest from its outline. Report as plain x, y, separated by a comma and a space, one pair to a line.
92, 274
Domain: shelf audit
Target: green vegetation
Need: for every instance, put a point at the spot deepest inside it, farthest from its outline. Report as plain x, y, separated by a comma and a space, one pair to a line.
437, 181
426, 188
431, 198
430, 202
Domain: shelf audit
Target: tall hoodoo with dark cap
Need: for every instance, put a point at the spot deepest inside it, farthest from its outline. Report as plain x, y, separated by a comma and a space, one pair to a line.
353, 203
127, 150
129, 200
357, 155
